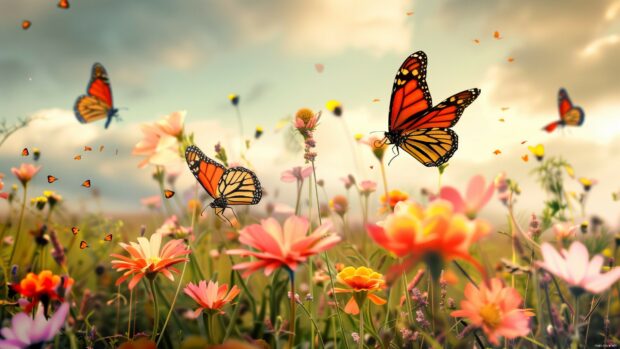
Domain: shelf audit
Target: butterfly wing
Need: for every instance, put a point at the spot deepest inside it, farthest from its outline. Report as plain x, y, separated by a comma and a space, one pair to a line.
430, 146
569, 114
99, 85
564, 103
240, 186
88, 109
207, 172
410, 95
445, 114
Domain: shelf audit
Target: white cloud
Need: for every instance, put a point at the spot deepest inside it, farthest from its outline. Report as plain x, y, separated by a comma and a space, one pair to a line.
597, 46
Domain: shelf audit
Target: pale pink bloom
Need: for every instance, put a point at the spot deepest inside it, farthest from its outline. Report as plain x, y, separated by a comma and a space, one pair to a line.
348, 181
367, 187
477, 196
563, 231
151, 201
576, 269
147, 258
297, 173
211, 296
283, 209
159, 148
26, 332
172, 124
25, 172
495, 310
172, 227
2, 195
275, 246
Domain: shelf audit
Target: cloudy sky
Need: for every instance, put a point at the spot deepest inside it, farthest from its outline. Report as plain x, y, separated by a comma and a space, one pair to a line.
164, 56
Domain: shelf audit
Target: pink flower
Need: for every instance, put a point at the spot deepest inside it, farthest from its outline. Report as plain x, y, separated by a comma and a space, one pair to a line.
172, 124
172, 227
296, 174
575, 268
563, 231
26, 332
151, 201
495, 310
367, 187
275, 246
147, 258
25, 172
2, 195
477, 196
211, 296
159, 147
348, 181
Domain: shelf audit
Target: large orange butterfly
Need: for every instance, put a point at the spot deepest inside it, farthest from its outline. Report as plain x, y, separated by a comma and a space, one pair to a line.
569, 114
233, 186
415, 125
97, 103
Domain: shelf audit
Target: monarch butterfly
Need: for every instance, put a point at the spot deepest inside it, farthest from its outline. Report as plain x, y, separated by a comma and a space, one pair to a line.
569, 114
97, 103
168, 193
25, 152
63, 4
233, 186
87, 148
51, 179
83, 245
75, 230
77, 157
101, 148
86, 183
415, 125
26, 24
108, 237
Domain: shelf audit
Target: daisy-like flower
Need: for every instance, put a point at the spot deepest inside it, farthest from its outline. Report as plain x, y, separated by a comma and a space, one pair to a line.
26, 332
394, 196
478, 194
151, 201
367, 187
274, 246
172, 227
587, 183
495, 310
211, 297
2, 195
147, 258
42, 287
160, 142
172, 124
339, 204
25, 172
297, 173
362, 282
576, 269
564, 231
306, 121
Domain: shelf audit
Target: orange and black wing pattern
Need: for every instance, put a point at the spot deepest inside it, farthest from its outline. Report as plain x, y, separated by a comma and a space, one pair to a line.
97, 103
570, 115
207, 172
240, 186
430, 146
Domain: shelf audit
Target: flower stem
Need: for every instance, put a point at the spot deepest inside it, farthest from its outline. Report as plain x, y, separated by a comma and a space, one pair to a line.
360, 343
155, 309
129, 316
19, 226
291, 321
576, 321
176, 294
385, 186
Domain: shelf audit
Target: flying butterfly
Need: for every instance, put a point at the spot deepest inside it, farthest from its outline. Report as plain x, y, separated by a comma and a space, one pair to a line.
108, 237
415, 125
26, 24
168, 193
75, 230
569, 114
51, 179
63, 4
87, 148
83, 245
101, 148
25, 152
77, 157
227, 187
97, 103
86, 183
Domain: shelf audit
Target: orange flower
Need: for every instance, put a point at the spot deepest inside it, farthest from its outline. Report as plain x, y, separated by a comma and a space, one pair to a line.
275, 246
339, 204
394, 196
361, 281
211, 296
41, 287
25, 172
495, 310
377, 146
416, 233
147, 258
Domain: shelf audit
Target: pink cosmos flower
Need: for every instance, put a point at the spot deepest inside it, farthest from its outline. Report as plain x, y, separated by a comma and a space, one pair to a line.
211, 296
172, 124
160, 144
575, 268
151, 201
172, 227
2, 195
147, 258
477, 196
367, 187
275, 246
26, 332
563, 231
495, 310
25, 172
297, 173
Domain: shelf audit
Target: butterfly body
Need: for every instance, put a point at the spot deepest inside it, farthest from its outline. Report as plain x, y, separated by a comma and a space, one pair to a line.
415, 125
570, 115
97, 103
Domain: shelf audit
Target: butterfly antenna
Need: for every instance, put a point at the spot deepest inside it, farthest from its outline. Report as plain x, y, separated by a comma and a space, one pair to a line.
203, 210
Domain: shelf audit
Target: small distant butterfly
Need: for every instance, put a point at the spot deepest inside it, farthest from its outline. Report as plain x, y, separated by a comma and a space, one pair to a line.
497, 152
101, 148
108, 237
87, 148
569, 114
168, 193
523, 142
409, 13
525, 158
63, 4
25, 152
86, 183
75, 230
51, 179
375, 100
83, 245
510, 59
504, 108
319, 67
77, 157
97, 103
476, 41
227, 187
414, 124
26, 24
497, 35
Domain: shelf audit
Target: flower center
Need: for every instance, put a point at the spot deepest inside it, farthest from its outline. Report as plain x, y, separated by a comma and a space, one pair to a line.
154, 260
490, 315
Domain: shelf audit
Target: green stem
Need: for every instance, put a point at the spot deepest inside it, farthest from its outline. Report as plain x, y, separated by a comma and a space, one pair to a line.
576, 321
297, 202
129, 316
155, 309
385, 186
291, 326
174, 300
360, 343
19, 225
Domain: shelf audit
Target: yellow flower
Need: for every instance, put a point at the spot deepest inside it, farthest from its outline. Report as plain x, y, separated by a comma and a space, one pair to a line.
39, 202
538, 151
234, 99
394, 196
358, 137
361, 282
334, 106
570, 171
587, 183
